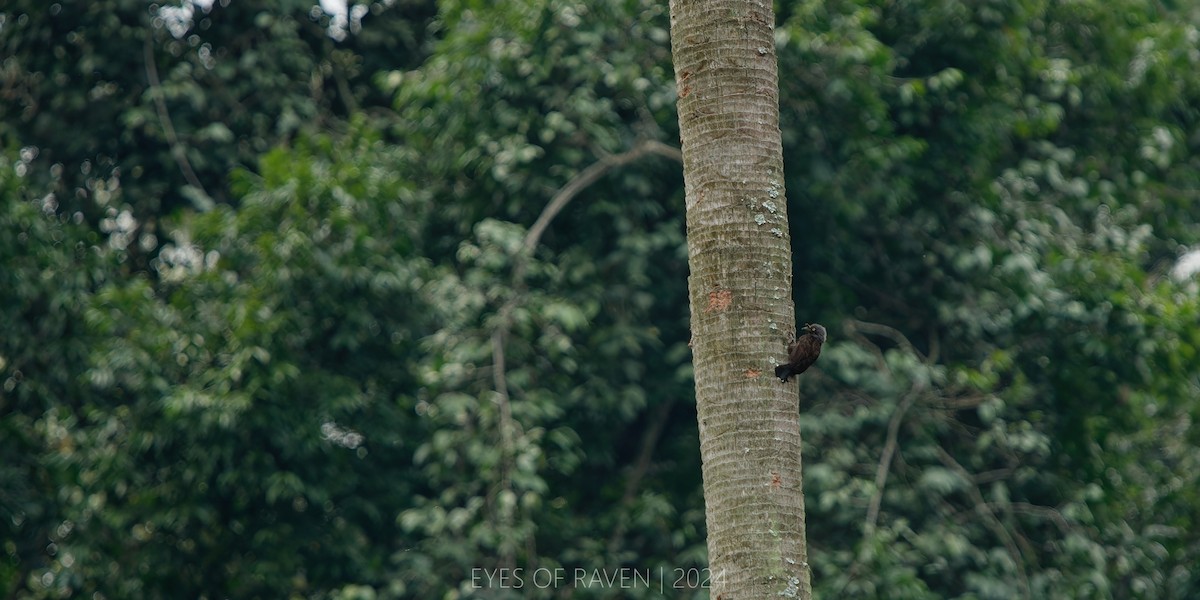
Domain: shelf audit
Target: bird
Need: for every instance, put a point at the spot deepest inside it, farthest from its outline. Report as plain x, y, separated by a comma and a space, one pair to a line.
802, 351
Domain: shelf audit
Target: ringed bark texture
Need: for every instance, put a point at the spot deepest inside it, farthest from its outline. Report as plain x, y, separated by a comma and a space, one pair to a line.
740, 296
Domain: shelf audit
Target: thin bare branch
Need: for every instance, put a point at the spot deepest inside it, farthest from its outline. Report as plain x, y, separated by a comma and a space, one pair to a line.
565, 195
885, 463
504, 324
506, 429
993, 475
589, 176
1046, 512
883, 330
560, 200
178, 152
500, 382
984, 509
640, 468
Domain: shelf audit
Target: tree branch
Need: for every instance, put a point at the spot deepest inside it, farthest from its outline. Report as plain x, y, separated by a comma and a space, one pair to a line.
854, 325
589, 176
984, 509
560, 200
164, 116
506, 448
885, 463
1046, 512
564, 196
640, 468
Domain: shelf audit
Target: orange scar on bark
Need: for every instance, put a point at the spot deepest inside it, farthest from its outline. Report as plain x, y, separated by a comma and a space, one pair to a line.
719, 300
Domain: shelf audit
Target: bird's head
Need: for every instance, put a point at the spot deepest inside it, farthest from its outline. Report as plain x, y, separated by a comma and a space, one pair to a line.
816, 330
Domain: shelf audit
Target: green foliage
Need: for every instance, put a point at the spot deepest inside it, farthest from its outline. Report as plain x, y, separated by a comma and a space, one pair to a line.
229, 425
563, 82
296, 390
540, 468
1001, 198
52, 266
227, 83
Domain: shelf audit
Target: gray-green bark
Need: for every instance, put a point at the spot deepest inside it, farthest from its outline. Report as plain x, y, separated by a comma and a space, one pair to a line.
740, 289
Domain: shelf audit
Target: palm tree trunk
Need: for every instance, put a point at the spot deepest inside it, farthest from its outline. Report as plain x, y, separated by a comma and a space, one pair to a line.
740, 290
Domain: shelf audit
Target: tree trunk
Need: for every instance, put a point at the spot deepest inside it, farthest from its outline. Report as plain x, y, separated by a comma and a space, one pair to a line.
741, 303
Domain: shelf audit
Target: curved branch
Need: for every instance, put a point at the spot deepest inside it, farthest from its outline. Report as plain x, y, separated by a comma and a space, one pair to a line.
563, 197
589, 176
160, 104
885, 464
577, 184
984, 509
506, 557
641, 467
1046, 512
886, 331
501, 385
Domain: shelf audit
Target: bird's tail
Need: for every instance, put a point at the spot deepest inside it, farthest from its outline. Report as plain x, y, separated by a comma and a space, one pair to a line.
783, 373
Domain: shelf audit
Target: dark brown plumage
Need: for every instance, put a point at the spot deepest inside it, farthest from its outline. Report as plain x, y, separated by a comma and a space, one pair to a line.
802, 352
